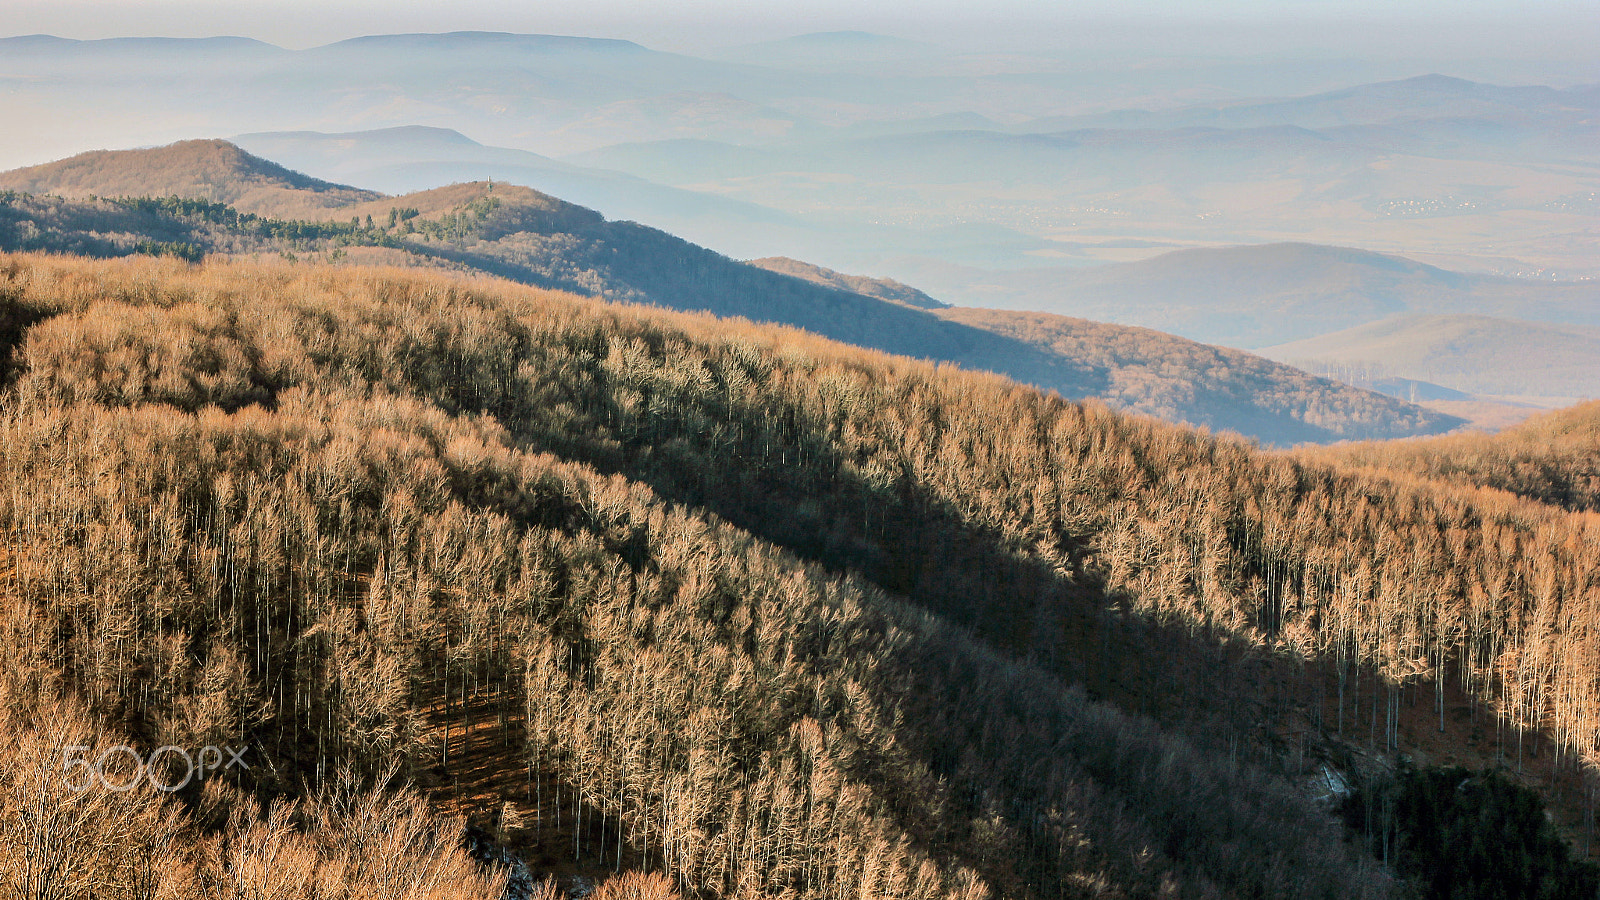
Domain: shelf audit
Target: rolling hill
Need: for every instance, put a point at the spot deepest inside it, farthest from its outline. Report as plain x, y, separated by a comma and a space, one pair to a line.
1432, 97
1258, 296
872, 148
1478, 354
212, 170
520, 234
1430, 183
504, 539
897, 167
1178, 380
524, 235
545, 543
1136, 369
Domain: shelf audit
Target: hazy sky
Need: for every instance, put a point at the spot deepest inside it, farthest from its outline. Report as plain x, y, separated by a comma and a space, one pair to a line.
1563, 28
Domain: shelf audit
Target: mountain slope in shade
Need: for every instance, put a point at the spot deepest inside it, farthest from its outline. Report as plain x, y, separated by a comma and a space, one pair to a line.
690, 560
1179, 380
1476, 354
212, 170
1146, 371
534, 238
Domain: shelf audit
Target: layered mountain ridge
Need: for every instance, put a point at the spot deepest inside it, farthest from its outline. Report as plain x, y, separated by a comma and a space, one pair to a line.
522, 234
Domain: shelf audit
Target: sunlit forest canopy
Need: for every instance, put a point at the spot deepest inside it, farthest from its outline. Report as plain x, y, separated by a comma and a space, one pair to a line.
1553, 458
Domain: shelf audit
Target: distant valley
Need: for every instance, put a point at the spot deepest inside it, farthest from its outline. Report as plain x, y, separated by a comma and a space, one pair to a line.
528, 236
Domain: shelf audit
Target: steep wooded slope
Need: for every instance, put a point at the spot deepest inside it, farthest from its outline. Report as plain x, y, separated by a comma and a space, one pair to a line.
299, 508
529, 237
605, 522
1150, 372
1179, 380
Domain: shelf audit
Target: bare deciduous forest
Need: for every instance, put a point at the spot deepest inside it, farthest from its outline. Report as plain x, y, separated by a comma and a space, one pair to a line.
1553, 458
761, 613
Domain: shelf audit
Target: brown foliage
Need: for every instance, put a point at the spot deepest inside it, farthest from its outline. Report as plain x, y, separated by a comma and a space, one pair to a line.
530, 237
1553, 458
346, 843
451, 493
1142, 370
66, 834
637, 886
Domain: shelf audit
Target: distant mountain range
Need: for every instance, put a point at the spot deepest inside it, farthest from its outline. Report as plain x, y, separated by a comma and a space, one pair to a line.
528, 236
864, 152
1425, 97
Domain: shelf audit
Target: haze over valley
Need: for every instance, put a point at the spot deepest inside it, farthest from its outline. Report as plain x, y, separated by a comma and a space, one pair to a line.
1029, 180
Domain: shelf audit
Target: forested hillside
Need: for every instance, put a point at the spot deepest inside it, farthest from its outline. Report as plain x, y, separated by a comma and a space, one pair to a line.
334, 515
1178, 380
761, 611
1553, 458
527, 236
166, 226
